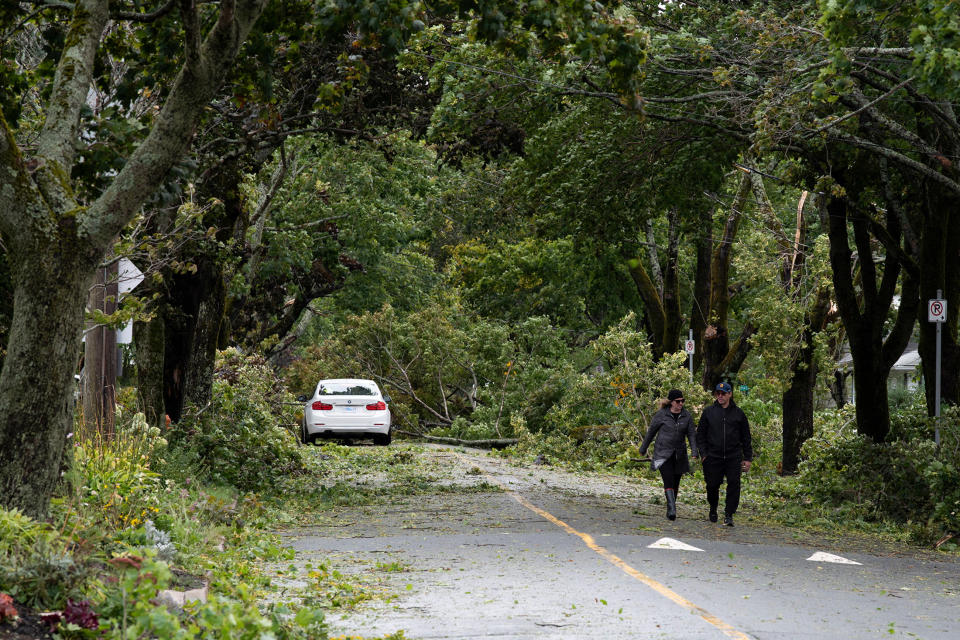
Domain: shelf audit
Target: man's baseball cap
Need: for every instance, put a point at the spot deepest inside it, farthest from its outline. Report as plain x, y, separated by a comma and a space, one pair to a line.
725, 387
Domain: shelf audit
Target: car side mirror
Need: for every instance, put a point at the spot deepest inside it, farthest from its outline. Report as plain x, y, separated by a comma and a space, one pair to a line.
386, 398
301, 398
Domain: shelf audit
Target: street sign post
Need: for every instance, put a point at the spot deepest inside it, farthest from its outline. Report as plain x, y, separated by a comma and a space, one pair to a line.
690, 347
937, 312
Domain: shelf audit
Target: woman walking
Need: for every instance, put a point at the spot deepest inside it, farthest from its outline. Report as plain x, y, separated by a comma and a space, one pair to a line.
671, 425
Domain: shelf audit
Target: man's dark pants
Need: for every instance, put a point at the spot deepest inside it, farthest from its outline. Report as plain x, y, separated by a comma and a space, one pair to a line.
714, 471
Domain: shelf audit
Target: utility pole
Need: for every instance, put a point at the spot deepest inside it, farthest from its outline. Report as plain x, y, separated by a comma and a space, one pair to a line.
100, 356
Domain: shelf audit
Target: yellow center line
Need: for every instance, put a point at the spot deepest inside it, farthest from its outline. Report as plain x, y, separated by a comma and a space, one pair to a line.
618, 562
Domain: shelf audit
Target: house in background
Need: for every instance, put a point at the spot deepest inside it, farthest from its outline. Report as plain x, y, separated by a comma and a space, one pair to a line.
905, 375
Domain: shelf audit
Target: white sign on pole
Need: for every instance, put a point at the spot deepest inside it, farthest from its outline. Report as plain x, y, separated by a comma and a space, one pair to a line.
125, 335
690, 347
128, 276
936, 310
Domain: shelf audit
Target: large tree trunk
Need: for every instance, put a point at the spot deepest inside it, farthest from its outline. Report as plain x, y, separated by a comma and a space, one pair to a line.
661, 295
798, 408
37, 382
720, 359
193, 321
873, 353
700, 305
798, 398
54, 243
149, 344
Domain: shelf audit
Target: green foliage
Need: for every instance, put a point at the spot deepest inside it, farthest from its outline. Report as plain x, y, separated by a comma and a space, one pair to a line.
247, 436
117, 477
517, 280
905, 480
37, 566
930, 28
622, 387
128, 609
442, 366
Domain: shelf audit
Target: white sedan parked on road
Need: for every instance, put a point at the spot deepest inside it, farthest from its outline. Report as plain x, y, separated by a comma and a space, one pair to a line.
347, 408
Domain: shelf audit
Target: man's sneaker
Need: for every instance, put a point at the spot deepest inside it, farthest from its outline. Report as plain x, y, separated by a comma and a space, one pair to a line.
713, 516
728, 521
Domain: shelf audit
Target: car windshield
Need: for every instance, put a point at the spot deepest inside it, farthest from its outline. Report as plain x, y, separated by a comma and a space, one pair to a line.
346, 389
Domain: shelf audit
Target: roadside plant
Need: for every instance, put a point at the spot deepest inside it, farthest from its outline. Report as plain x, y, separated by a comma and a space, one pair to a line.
116, 476
37, 567
246, 436
905, 480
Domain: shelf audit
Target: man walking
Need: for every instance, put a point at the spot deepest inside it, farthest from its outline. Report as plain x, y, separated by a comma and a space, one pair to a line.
723, 439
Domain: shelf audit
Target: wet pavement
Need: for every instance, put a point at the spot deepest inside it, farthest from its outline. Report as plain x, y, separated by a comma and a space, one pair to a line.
561, 555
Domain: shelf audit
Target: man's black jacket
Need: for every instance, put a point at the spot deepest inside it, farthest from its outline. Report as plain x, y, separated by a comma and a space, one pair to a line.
724, 433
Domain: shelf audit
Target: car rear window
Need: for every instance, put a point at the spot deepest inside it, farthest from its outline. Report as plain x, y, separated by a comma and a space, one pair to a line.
345, 389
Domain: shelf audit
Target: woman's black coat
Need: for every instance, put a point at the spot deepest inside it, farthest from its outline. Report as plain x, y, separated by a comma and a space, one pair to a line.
670, 433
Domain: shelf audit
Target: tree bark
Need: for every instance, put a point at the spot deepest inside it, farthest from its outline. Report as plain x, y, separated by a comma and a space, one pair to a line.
798, 398
37, 382
720, 361
661, 304
699, 307
54, 243
148, 340
873, 354
798, 407
496, 443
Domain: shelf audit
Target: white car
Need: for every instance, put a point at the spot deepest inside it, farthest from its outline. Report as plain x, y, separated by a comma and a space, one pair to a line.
346, 408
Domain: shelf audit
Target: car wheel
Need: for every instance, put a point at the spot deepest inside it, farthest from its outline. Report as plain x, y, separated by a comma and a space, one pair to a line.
305, 437
381, 439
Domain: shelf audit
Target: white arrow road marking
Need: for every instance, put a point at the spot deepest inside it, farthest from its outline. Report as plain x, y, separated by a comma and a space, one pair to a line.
820, 556
588, 540
670, 543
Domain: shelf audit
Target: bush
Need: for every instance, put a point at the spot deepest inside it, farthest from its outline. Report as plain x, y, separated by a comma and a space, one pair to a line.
904, 481
247, 436
36, 565
117, 477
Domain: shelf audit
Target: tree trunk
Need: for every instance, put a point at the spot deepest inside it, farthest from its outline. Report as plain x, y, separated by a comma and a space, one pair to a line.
54, 243
191, 333
149, 344
37, 382
798, 409
671, 288
838, 388
719, 361
700, 305
873, 354
798, 398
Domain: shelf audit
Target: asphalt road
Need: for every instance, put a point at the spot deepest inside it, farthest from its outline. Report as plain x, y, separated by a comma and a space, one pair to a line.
559, 555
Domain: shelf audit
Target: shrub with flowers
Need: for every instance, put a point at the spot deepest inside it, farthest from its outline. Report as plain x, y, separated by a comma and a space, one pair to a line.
116, 476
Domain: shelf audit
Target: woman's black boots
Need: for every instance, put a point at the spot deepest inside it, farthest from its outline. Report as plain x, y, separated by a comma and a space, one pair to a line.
671, 504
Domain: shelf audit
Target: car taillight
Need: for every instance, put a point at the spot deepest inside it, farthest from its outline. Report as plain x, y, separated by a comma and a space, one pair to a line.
377, 406
321, 406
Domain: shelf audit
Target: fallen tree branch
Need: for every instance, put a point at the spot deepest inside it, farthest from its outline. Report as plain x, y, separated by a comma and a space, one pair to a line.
944, 539
496, 443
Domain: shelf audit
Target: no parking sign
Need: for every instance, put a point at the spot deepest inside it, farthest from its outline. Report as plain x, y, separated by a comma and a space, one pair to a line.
936, 310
